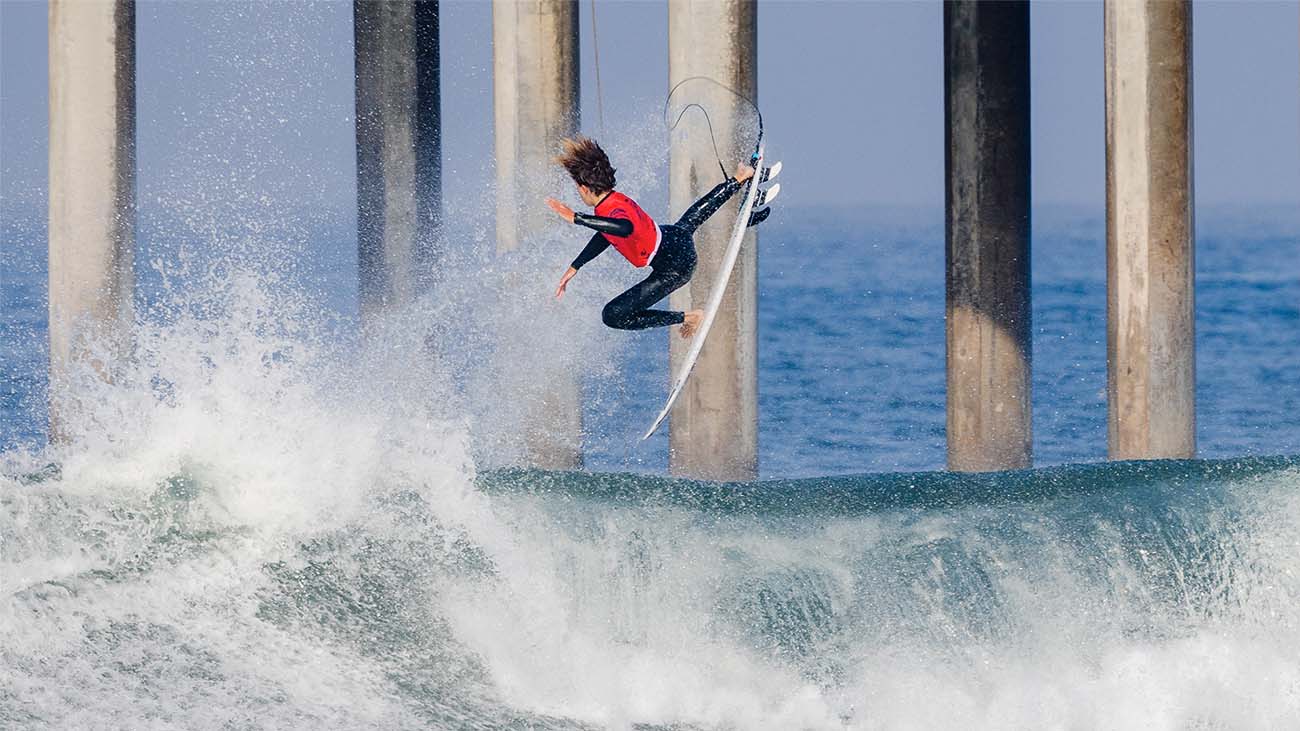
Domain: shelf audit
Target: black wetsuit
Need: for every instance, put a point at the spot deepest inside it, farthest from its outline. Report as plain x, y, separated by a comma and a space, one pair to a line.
672, 265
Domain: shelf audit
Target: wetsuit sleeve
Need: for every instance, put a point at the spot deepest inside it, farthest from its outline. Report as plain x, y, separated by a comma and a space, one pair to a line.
612, 226
594, 248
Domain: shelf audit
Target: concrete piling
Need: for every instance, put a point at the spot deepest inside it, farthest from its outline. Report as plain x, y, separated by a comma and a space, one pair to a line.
91, 194
986, 87
399, 150
1150, 271
714, 424
536, 80
536, 95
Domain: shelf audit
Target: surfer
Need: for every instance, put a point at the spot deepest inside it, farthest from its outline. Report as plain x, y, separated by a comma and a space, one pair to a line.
668, 250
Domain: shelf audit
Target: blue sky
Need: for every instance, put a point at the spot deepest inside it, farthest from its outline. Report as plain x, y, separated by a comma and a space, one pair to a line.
852, 93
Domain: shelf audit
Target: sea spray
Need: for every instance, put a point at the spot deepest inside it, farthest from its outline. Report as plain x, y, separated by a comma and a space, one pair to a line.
144, 568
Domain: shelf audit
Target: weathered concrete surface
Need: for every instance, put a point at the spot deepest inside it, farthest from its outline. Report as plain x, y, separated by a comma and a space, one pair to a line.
1150, 269
986, 81
399, 149
535, 77
92, 192
714, 424
535, 72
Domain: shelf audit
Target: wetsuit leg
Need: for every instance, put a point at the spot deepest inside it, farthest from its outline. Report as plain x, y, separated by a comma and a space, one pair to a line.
630, 310
672, 267
708, 205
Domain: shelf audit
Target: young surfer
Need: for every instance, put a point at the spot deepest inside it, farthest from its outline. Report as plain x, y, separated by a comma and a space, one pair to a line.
668, 250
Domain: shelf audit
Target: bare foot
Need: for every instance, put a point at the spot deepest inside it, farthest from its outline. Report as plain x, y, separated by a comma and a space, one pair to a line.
691, 323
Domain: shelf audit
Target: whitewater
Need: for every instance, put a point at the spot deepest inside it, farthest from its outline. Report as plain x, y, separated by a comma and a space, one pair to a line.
263, 524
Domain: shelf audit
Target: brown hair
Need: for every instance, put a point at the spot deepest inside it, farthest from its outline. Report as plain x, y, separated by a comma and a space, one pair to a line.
587, 164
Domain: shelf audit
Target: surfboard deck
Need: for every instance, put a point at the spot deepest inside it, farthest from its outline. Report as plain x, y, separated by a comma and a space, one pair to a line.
719, 286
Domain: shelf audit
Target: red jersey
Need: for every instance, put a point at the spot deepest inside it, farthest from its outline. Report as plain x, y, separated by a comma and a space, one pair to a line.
640, 246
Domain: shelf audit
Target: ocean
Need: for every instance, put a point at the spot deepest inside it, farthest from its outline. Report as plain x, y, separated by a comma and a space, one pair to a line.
272, 521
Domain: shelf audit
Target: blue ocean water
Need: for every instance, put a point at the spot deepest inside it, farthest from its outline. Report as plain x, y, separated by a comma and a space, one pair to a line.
851, 358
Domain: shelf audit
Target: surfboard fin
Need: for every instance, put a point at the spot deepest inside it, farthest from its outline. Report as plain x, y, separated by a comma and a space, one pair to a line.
767, 196
761, 209
770, 173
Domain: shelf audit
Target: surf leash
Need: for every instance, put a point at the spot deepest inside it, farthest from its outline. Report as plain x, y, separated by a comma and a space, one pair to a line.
754, 157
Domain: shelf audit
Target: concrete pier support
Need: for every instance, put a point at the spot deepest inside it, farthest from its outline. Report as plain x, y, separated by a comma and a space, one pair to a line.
92, 192
1150, 272
986, 84
714, 425
399, 149
535, 73
535, 76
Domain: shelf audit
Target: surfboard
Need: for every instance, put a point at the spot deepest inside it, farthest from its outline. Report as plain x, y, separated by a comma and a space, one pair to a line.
719, 286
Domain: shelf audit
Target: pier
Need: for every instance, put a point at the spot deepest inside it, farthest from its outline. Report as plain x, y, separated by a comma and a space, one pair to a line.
1150, 262
714, 424
399, 150
92, 193
535, 98
986, 102
714, 427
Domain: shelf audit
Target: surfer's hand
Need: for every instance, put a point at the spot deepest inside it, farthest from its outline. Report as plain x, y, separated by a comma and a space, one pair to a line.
743, 172
565, 212
564, 282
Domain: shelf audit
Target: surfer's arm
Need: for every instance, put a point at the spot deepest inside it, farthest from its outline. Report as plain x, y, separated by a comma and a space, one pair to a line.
594, 248
605, 225
564, 281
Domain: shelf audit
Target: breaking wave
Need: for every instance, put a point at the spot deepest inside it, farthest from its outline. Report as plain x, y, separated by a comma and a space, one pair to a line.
257, 527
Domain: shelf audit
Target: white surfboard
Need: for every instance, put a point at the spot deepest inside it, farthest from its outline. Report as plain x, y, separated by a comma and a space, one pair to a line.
715, 295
